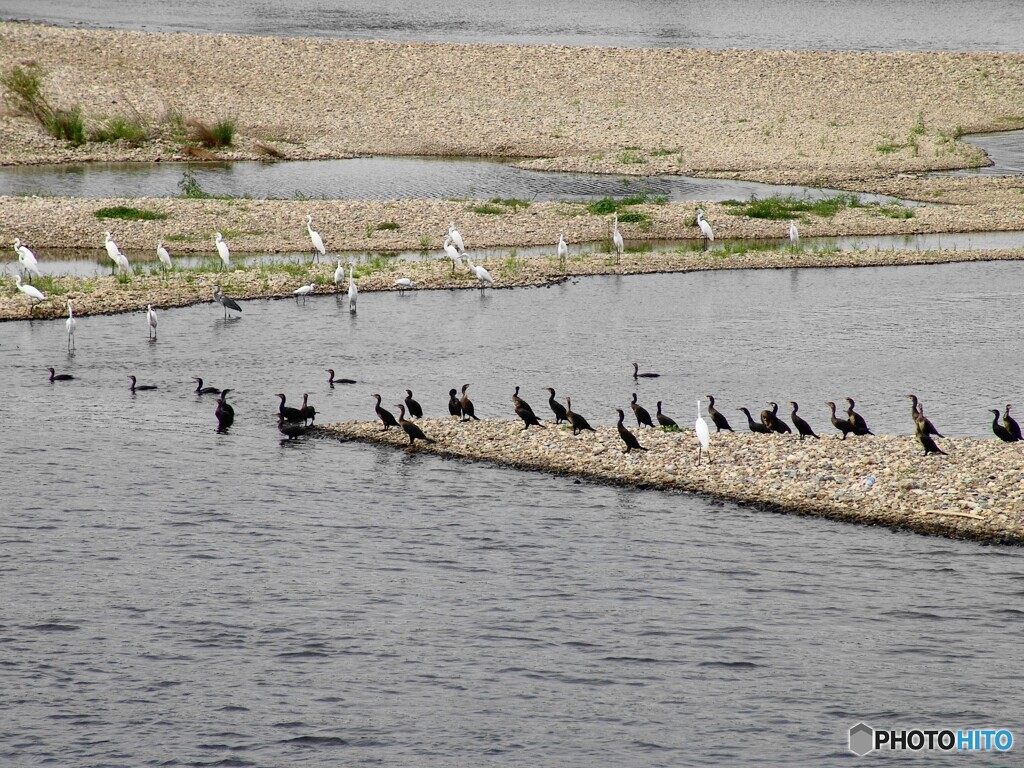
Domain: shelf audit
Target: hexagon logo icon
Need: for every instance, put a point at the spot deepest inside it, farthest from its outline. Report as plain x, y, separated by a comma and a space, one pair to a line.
862, 739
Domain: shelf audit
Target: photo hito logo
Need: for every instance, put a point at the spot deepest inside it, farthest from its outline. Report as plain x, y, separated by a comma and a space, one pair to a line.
864, 739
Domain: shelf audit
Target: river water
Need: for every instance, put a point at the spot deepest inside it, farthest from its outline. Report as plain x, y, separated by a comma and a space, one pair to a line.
171, 596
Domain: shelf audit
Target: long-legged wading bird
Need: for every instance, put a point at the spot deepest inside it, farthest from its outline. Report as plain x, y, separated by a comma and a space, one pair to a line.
860, 427
136, 387
386, 416
482, 275
201, 390
286, 412
666, 421
119, 259
332, 380
703, 436
468, 411
1000, 431
801, 425
454, 404
404, 284
627, 437
163, 255
339, 273
415, 409
617, 241
411, 428
794, 234
754, 426
225, 413
151, 321
70, 325
518, 402
579, 423
705, 227
843, 425
29, 290
643, 416
225, 301
717, 417
308, 411
645, 375
222, 250
771, 420
318, 242
456, 237
563, 249
59, 376
1011, 424
452, 253
353, 291
27, 259
556, 407
303, 291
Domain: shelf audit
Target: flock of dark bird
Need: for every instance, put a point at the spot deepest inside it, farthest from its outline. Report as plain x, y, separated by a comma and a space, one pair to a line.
295, 422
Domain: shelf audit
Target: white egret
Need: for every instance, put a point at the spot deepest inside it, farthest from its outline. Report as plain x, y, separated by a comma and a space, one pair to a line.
703, 436
70, 324
403, 284
353, 291
119, 259
163, 255
563, 249
456, 237
617, 238
226, 301
794, 235
452, 252
26, 258
705, 227
318, 242
29, 290
151, 319
222, 249
481, 274
339, 273
303, 291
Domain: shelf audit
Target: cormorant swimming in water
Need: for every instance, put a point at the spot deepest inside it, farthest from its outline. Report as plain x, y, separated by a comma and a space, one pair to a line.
843, 425
578, 422
627, 437
801, 426
386, 416
201, 390
860, 427
771, 420
666, 421
454, 405
643, 416
638, 375
332, 381
1011, 424
467, 405
754, 426
69, 377
717, 416
287, 412
415, 411
556, 407
225, 413
139, 387
412, 429
1000, 431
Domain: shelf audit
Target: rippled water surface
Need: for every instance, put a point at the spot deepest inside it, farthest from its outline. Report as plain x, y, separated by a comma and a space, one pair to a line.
172, 596
791, 24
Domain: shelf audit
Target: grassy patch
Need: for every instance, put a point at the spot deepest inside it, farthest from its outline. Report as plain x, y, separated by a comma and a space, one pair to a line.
389, 226
632, 158
609, 205
128, 213
220, 134
788, 207
66, 124
130, 130
896, 211
24, 91
489, 209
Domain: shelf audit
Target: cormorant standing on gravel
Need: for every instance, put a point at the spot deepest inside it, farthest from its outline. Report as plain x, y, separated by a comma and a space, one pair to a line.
578, 422
556, 407
643, 416
665, 421
524, 412
754, 426
386, 416
1000, 431
717, 416
518, 402
801, 426
925, 438
843, 425
1011, 424
412, 429
627, 437
860, 427
454, 406
771, 420
917, 413
467, 405
415, 410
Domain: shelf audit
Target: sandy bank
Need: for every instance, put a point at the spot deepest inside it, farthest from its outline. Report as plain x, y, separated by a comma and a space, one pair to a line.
973, 493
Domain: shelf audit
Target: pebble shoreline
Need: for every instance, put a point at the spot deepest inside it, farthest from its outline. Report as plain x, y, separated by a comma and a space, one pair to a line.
975, 493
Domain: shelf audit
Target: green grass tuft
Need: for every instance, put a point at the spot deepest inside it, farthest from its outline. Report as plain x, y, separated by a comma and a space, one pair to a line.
789, 207
114, 129
128, 213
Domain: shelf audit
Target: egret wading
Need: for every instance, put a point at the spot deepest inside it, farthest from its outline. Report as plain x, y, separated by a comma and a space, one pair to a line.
705, 227
563, 249
224, 412
339, 273
404, 284
151, 321
119, 259
303, 291
617, 239
794, 235
318, 242
482, 275
27, 259
703, 436
225, 301
163, 255
452, 253
353, 291
70, 325
222, 250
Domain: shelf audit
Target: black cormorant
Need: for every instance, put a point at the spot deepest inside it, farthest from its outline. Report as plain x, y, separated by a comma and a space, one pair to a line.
290, 430
201, 390
411, 428
917, 413
643, 416
518, 402
332, 381
139, 387
925, 438
860, 427
638, 375
578, 422
524, 412
627, 437
755, 426
69, 377
666, 421
415, 410
771, 420
801, 426
556, 407
843, 425
717, 416
1000, 431
308, 411
468, 412
1011, 424
454, 405
224, 412
386, 416
287, 412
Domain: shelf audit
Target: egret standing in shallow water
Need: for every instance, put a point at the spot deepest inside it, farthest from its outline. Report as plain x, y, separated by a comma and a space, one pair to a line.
163, 255
481, 274
617, 239
303, 291
353, 291
29, 290
318, 242
703, 436
705, 227
226, 301
26, 258
794, 235
339, 273
151, 319
119, 259
70, 324
452, 252
563, 249
403, 284
222, 249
